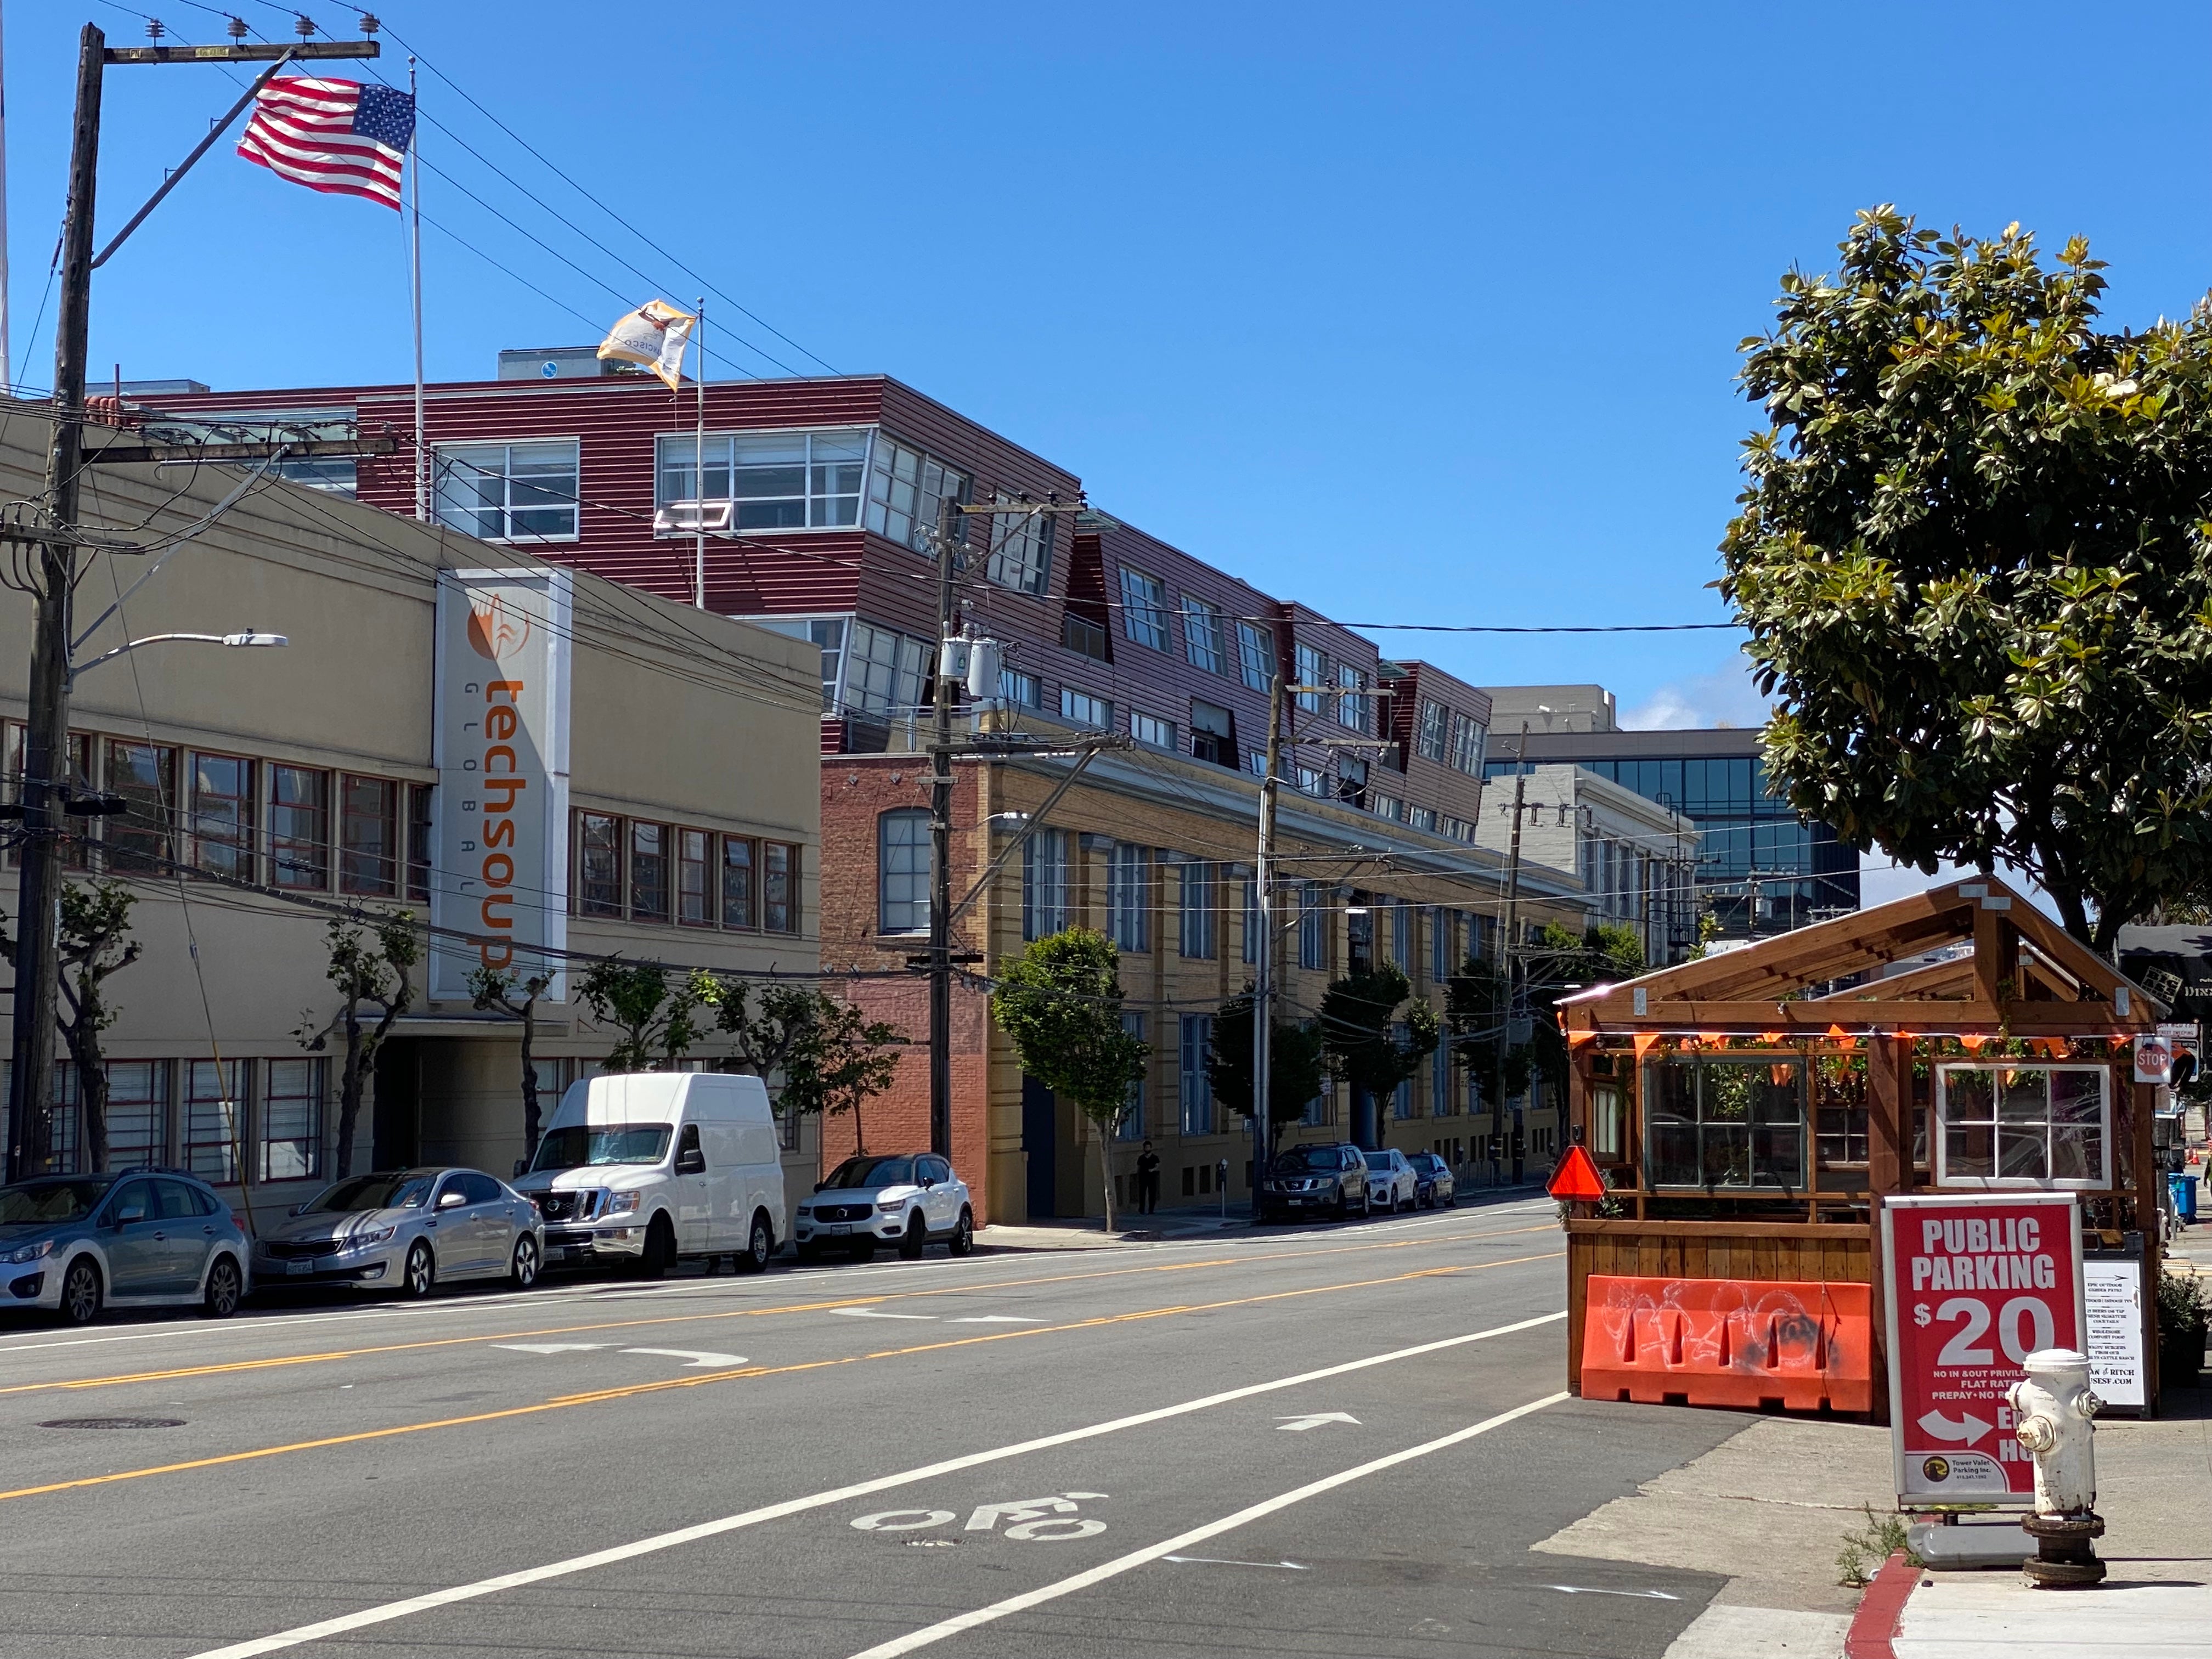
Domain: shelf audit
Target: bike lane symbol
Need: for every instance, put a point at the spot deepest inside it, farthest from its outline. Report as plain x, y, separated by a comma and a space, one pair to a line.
1048, 1520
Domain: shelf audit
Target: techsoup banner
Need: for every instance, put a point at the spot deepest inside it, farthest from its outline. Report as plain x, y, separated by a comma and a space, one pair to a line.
501, 875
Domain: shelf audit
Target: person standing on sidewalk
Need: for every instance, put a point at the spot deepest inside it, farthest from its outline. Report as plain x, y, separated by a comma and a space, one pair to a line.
1148, 1180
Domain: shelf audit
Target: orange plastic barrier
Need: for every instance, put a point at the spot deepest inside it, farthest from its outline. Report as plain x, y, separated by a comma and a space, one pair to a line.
1728, 1342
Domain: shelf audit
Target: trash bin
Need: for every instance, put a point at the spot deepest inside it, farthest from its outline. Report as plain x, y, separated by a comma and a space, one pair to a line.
2183, 1185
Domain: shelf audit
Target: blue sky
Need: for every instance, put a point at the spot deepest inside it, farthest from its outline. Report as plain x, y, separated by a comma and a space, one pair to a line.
1414, 313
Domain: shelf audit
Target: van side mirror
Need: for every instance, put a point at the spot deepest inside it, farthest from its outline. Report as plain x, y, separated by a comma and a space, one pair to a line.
129, 1214
690, 1161
448, 1201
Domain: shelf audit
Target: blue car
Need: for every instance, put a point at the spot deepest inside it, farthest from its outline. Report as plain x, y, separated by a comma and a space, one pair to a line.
137, 1238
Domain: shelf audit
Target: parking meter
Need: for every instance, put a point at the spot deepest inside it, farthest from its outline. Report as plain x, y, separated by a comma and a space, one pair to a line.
1221, 1182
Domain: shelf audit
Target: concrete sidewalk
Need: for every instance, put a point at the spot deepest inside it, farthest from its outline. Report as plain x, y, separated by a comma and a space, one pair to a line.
1188, 1222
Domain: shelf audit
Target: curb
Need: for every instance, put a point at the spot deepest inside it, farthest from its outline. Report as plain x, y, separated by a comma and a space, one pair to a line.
1881, 1609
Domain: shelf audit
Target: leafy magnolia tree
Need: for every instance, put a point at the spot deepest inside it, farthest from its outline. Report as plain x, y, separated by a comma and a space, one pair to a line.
1360, 1015
1974, 561
509, 991
95, 943
654, 1016
1295, 1066
1061, 1003
818, 1056
371, 966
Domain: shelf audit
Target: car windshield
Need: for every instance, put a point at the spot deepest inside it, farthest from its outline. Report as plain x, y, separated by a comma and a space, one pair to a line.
1300, 1158
580, 1144
48, 1201
371, 1192
1427, 1161
871, 1172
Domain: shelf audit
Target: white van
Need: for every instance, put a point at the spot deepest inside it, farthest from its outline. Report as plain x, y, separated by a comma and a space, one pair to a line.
638, 1170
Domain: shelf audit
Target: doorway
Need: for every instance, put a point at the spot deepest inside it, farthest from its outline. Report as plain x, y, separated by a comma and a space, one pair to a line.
1041, 1142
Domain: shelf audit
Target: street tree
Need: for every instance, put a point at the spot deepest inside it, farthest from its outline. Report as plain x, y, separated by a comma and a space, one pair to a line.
653, 1015
1362, 1016
817, 1056
372, 966
1059, 1002
1974, 558
1296, 1067
510, 991
96, 943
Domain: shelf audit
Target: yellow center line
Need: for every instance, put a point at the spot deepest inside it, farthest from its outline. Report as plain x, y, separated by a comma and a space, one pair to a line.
279, 1361
604, 1395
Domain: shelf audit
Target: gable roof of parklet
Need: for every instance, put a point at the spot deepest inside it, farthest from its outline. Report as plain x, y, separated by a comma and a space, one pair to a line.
2027, 976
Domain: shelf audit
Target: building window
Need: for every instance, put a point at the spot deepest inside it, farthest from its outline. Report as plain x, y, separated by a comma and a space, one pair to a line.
694, 878
1388, 806
1466, 745
292, 1120
1084, 709
1401, 935
1201, 635
1129, 896
1440, 1092
1351, 780
1130, 1126
1428, 741
1422, 817
648, 871
223, 816
1457, 828
421, 840
884, 671
1313, 926
1255, 763
299, 826
1044, 883
1251, 918
826, 633
906, 493
1725, 1123
1255, 655
2023, 1126
775, 480
1197, 1090
1440, 944
1023, 690
140, 840
902, 871
1021, 548
368, 837
509, 492
1149, 728
1214, 734
1313, 670
1351, 708
1313, 780
137, 1113
779, 887
598, 864
1401, 1099
737, 882
1606, 1142
215, 1119
1201, 885
1143, 609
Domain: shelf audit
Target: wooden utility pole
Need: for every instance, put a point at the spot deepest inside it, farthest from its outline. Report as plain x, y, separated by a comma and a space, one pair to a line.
1263, 977
46, 782
950, 531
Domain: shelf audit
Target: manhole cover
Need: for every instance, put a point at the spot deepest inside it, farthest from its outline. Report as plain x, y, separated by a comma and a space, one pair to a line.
114, 1423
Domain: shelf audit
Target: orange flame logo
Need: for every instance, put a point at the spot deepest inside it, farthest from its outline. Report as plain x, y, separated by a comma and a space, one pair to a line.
497, 629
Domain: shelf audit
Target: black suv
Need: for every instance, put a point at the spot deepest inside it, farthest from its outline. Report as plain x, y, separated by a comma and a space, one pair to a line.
1315, 1180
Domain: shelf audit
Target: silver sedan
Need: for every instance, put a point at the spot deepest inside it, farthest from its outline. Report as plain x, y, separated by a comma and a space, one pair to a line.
405, 1230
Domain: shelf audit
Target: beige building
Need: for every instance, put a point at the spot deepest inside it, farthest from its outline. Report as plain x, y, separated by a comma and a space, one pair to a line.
661, 762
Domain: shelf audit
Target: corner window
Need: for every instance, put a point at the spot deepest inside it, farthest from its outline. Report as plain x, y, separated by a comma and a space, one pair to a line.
826, 633
1021, 548
902, 871
1143, 609
772, 480
884, 671
1466, 745
1255, 655
1429, 744
2023, 1126
1201, 635
1725, 1123
906, 493
508, 492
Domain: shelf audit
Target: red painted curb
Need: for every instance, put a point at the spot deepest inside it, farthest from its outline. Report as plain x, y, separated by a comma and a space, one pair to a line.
1881, 1609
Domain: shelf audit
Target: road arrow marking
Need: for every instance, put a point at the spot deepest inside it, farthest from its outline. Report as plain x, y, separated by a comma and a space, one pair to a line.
550, 1347
1579, 1589
1314, 1420
870, 1313
1942, 1428
1217, 1561
699, 1360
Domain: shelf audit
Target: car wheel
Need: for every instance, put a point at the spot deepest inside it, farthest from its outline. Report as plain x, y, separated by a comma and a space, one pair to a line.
916, 1240
659, 1249
962, 1241
759, 1247
422, 1271
1343, 1205
80, 1291
225, 1290
863, 1249
809, 1254
522, 1272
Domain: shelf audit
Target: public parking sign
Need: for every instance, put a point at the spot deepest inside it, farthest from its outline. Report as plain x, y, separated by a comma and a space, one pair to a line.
1972, 1285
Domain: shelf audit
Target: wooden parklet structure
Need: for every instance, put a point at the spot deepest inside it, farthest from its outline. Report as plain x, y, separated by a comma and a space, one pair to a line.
1748, 1117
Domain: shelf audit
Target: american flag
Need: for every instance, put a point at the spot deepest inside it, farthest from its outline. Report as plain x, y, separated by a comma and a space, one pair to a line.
336, 135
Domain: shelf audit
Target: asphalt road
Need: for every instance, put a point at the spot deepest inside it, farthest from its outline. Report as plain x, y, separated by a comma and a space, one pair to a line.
1073, 1453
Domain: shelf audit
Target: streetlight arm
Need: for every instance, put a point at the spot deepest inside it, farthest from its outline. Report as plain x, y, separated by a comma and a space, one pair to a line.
248, 637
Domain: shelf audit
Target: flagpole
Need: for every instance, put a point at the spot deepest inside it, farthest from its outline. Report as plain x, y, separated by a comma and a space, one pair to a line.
699, 456
415, 275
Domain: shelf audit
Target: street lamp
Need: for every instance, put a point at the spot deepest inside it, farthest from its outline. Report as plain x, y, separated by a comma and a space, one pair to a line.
251, 636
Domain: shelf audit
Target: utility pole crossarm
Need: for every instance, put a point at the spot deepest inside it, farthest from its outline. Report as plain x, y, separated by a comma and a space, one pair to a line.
164, 454
272, 53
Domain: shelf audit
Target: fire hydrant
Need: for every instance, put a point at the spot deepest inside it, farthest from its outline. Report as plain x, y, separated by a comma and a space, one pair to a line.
2053, 1409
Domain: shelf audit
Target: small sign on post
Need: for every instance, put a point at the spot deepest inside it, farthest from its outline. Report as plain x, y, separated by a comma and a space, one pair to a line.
1972, 1284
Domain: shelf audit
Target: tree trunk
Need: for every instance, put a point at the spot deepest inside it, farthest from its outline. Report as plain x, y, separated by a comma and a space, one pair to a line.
860, 1132
1106, 1173
530, 1112
349, 1092
92, 1098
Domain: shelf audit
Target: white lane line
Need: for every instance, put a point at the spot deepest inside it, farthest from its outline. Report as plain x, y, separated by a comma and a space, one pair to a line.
1218, 1561
995, 1318
551, 1347
870, 1313
432, 1599
1099, 1574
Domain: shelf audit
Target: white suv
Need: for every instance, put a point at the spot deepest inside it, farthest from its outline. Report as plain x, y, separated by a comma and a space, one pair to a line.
1392, 1183
911, 1199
